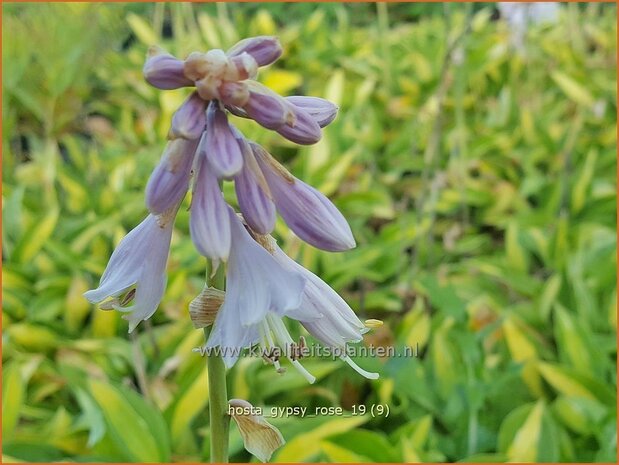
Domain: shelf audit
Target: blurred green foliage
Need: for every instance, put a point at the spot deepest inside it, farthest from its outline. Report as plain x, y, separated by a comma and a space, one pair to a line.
480, 182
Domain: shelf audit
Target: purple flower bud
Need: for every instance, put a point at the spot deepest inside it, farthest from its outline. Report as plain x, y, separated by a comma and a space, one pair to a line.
253, 194
169, 181
164, 71
220, 144
304, 130
320, 109
209, 223
189, 121
264, 49
267, 108
307, 212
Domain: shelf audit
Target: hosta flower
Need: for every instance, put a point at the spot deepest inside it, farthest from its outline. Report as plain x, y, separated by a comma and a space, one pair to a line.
189, 121
264, 286
337, 324
310, 214
164, 71
264, 49
209, 224
221, 146
169, 181
253, 194
321, 110
136, 271
259, 292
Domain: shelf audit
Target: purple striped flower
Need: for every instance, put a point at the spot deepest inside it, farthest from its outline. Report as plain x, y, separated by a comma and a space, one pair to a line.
253, 193
264, 49
303, 130
164, 71
209, 225
320, 109
189, 121
169, 181
266, 107
310, 214
221, 145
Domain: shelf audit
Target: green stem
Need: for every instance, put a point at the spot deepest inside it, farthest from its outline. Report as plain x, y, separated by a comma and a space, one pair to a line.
217, 391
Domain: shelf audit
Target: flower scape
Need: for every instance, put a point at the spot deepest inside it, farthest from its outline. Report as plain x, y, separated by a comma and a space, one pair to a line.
263, 284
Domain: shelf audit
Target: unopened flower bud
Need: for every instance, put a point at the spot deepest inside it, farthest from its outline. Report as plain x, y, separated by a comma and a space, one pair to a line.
164, 71
169, 181
264, 49
267, 108
304, 130
221, 146
310, 214
189, 121
253, 194
320, 109
209, 222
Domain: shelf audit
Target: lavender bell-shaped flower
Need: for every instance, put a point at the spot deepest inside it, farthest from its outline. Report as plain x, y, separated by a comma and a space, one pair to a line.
253, 194
169, 181
221, 146
306, 211
258, 293
136, 270
338, 323
209, 224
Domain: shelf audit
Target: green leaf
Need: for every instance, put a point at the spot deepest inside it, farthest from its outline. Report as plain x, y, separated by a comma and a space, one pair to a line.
135, 426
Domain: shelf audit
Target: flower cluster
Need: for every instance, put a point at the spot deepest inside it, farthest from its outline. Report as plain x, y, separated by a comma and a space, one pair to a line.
263, 284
